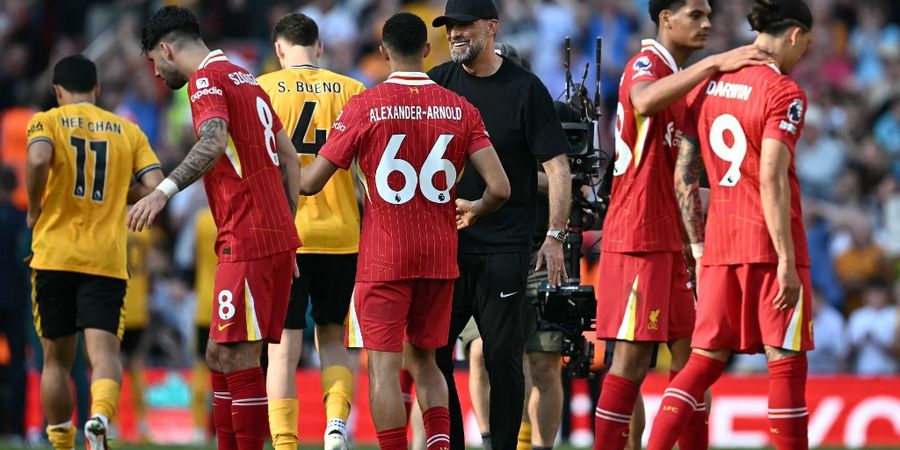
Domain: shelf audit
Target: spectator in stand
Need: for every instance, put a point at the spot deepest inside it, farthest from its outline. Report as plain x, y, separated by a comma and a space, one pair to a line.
820, 156
873, 331
831, 350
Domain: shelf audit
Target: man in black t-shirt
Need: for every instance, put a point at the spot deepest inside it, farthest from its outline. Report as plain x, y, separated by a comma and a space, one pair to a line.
494, 253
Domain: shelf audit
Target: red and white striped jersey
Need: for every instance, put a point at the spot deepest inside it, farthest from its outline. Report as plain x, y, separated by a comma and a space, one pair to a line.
643, 214
733, 113
410, 139
245, 190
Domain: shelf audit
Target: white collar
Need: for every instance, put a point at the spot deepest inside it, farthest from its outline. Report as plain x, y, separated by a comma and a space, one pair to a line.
409, 78
775, 68
213, 56
662, 52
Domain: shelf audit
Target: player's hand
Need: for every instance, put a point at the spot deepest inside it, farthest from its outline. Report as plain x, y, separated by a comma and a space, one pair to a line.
33, 215
748, 55
551, 256
693, 266
145, 210
466, 213
788, 286
296, 269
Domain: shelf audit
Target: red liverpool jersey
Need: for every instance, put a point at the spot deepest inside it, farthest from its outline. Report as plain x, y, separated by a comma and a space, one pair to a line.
410, 138
643, 214
733, 113
244, 187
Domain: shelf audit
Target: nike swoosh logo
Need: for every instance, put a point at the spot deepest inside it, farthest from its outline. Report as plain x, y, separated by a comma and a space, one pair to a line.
223, 326
504, 294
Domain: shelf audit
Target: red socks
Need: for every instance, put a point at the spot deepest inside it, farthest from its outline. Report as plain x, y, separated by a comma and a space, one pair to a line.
406, 384
393, 439
613, 416
682, 397
788, 417
437, 428
249, 407
222, 412
696, 435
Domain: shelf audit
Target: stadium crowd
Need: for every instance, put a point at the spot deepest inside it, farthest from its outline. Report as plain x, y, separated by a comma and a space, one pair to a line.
848, 158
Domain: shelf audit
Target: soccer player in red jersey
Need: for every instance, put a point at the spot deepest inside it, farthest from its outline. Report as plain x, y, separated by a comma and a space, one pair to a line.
410, 139
646, 297
251, 175
754, 291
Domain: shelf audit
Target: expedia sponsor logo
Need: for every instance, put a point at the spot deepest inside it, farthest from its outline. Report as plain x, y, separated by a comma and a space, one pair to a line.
34, 128
207, 91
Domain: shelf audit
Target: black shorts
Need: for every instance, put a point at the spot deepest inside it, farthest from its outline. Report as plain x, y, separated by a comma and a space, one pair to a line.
202, 341
131, 340
66, 302
326, 281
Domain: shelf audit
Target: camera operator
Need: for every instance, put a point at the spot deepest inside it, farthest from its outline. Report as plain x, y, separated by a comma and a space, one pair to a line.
494, 253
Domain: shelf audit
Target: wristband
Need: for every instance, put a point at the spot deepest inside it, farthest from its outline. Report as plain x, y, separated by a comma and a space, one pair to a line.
167, 187
697, 250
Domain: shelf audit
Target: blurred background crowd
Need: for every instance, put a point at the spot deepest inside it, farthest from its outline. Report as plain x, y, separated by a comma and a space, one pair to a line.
848, 160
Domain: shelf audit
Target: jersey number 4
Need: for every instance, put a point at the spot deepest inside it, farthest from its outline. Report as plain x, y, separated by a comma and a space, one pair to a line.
434, 163
299, 137
99, 148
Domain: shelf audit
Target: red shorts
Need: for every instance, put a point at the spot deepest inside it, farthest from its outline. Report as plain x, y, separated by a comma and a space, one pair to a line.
383, 314
735, 310
251, 299
644, 297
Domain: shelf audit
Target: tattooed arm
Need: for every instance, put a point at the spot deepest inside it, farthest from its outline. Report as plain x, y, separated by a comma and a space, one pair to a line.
687, 189
290, 169
205, 153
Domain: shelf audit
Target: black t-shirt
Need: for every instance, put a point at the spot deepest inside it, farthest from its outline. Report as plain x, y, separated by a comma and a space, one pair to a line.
523, 126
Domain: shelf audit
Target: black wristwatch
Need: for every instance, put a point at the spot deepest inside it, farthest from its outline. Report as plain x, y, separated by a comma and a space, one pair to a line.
559, 235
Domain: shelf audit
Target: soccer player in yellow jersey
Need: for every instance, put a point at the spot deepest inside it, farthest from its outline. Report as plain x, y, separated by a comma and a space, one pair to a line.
135, 322
205, 261
81, 162
307, 99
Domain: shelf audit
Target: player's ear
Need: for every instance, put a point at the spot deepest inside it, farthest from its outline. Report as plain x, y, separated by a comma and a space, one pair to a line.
320, 48
97, 91
166, 50
794, 36
279, 52
427, 50
664, 17
59, 93
493, 27
384, 53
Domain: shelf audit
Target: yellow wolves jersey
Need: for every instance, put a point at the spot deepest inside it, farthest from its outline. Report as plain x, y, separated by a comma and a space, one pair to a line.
95, 155
205, 266
307, 99
138, 283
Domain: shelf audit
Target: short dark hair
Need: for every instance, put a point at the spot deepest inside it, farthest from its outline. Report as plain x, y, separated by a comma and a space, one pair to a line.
405, 34
75, 74
296, 28
777, 16
657, 6
169, 19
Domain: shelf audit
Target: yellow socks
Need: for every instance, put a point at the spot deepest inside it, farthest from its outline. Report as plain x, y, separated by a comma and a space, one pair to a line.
62, 436
199, 394
337, 385
283, 423
104, 398
524, 442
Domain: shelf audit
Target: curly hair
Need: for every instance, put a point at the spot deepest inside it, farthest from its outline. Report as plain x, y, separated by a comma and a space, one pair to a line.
777, 16
180, 22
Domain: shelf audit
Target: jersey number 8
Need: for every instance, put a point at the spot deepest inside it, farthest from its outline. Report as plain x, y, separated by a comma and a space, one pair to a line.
434, 163
734, 153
